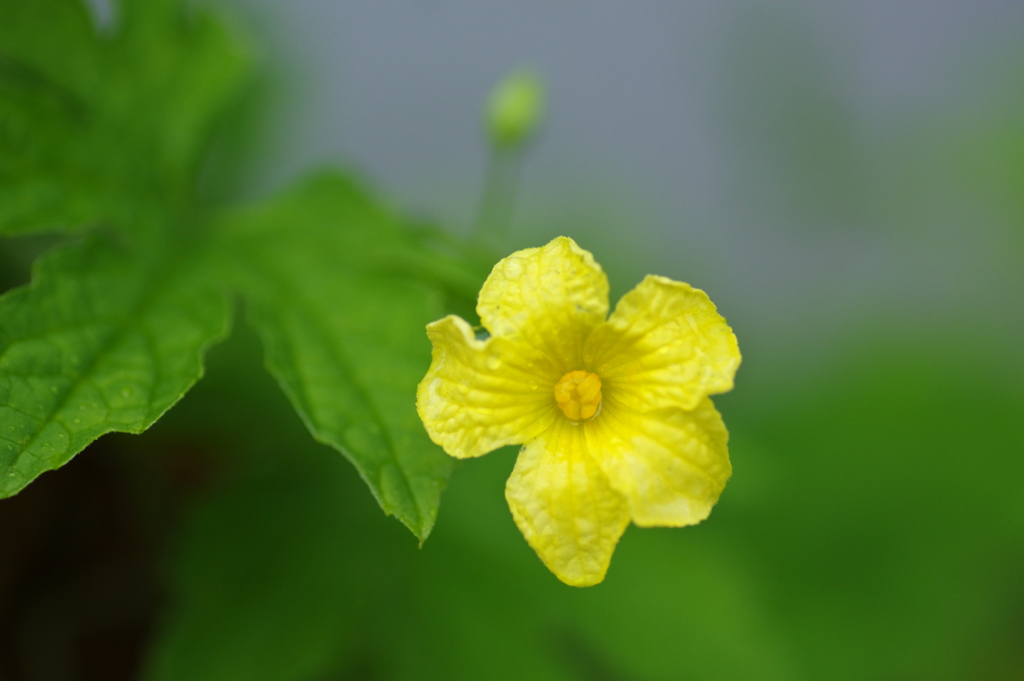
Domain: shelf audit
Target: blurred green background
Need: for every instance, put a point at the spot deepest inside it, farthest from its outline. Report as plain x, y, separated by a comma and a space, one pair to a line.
845, 181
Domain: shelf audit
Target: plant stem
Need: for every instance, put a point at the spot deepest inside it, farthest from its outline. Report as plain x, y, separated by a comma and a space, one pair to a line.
497, 202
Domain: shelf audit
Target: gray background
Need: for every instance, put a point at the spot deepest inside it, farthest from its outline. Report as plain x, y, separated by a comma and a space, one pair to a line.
788, 157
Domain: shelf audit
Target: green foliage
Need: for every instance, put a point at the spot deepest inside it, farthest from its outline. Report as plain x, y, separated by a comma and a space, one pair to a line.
873, 528
343, 595
881, 503
325, 275
106, 338
107, 128
247, 613
989, 164
104, 130
109, 133
864, 535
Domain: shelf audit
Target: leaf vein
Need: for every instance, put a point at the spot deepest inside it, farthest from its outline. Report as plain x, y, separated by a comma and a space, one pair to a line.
300, 300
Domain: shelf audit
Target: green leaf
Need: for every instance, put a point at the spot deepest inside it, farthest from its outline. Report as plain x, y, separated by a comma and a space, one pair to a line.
110, 129
103, 128
106, 338
334, 286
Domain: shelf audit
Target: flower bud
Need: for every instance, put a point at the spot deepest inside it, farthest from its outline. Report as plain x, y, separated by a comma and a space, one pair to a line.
515, 109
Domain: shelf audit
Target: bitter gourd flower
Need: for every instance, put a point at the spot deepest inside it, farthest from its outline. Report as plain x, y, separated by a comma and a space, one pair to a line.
612, 411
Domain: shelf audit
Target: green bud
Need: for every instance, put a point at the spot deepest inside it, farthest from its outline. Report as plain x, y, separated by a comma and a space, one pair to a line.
515, 109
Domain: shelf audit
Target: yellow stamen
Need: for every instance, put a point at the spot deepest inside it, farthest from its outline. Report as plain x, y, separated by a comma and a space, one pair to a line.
578, 394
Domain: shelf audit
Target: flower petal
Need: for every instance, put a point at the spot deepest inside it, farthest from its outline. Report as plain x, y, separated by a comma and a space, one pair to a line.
665, 345
550, 297
670, 464
479, 395
564, 506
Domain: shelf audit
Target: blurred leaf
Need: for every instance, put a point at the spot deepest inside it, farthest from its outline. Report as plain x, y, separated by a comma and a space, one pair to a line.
987, 164
265, 587
106, 338
276, 572
107, 127
334, 286
888, 524
873, 530
344, 595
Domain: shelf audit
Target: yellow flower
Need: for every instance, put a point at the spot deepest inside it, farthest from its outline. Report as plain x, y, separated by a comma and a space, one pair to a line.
612, 412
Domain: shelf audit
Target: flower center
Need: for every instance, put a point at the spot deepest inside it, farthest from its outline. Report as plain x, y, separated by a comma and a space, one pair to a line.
578, 394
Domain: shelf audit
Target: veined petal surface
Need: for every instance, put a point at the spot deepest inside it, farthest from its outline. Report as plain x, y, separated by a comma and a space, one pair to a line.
564, 505
479, 395
671, 464
664, 346
550, 297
